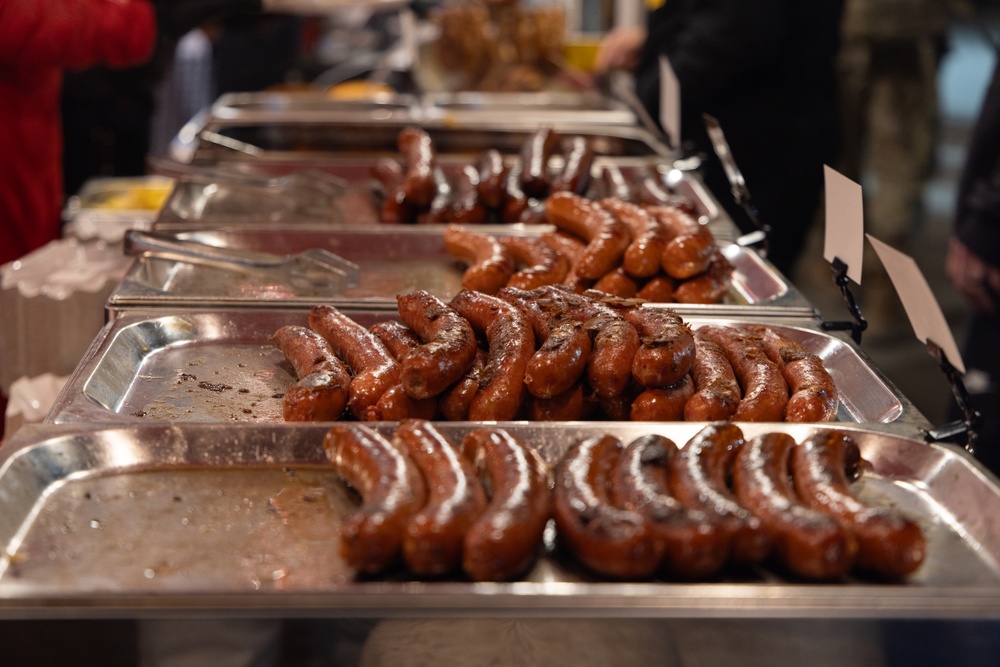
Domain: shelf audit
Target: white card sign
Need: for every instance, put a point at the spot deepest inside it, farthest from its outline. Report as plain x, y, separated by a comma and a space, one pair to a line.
922, 308
670, 103
845, 224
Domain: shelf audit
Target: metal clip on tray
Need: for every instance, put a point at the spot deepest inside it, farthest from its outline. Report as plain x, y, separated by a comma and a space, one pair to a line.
858, 323
971, 418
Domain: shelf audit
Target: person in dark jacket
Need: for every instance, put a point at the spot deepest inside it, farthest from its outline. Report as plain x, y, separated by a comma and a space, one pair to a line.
973, 266
766, 71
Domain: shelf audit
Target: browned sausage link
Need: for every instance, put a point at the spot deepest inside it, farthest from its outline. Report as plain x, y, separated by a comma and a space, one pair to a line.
396, 405
765, 392
643, 257
419, 185
432, 543
398, 338
607, 539
814, 394
373, 366
615, 184
659, 289
516, 201
455, 402
690, 245
709, 287
667, 351
440, 207
662, 404
511, 344
540, 263
615, 341
575, 173
490, 265
695, 544
392, 490
716, 390
505, 540
617, 282
321, 392
465, 207
492, 188
569, 246
809, 543
699, 479
606, 236
448, 348
561, 358
889, 544
535, 154
389, 174
571, 405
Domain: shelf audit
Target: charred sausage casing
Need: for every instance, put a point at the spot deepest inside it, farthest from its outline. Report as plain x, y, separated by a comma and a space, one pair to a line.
323, 385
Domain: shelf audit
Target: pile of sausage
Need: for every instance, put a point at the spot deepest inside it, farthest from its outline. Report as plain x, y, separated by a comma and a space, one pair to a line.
657, 253
636, 511
547, 354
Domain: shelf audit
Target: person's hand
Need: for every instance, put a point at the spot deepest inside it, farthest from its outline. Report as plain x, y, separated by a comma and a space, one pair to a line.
976, 279
619, 49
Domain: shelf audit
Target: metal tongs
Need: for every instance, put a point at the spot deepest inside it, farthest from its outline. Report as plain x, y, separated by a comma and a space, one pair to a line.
738, 187
308, 192
311, 269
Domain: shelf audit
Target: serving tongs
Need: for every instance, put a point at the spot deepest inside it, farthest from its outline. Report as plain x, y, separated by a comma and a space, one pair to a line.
316, 269
759, 237
307, 192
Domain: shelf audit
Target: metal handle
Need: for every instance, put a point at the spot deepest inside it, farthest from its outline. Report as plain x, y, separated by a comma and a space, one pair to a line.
138, 242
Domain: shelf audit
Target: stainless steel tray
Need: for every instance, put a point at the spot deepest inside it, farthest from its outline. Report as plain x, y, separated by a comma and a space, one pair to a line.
218, 367
218, 518
393, 259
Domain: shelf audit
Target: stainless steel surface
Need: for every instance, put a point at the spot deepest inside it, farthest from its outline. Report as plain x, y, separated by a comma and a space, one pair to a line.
218, 367
391, 259
225, 518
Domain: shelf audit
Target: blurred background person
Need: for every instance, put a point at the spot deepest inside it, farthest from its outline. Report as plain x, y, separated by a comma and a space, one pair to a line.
973, 266
766, 71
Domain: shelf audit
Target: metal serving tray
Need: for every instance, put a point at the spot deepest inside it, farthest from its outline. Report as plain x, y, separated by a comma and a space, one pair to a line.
393, 259
218, 366
225, 517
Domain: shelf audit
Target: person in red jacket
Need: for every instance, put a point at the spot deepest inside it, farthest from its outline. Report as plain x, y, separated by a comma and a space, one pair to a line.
39, 39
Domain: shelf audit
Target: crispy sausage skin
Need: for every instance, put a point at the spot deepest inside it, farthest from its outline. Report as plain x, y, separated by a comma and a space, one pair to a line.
506, 538
434, 536
490, 265
807, 542
699, 479
511, 344
389, 174
662, 403
535, 154
564, 345
712, 286
643, 256
607, 539
889, 544
814, 395
578, 162
419, 185
695, 545
375, 370
464, 206
571, 405
607, 237
322, 389
666, 353
658, 289
540, 263
765, 392
392, 491
617, 282
717, 392
398, 338
690, 245
447, 350
492, 188
516, 201
455, 402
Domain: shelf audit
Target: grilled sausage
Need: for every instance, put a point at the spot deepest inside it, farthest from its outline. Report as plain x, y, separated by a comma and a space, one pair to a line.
447, 350
419, 186
490, 265
540, 263
392, 490
889, 544
321, 392
807, 542
662, 403
492, 188
535, 154
814, 395
643, 256
690, 245
712, 286
506, 538
765, 392
606, 236
575, 173
717, 392
666, 353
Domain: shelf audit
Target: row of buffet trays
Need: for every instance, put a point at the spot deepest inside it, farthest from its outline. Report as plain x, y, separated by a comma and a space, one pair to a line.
163, 477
